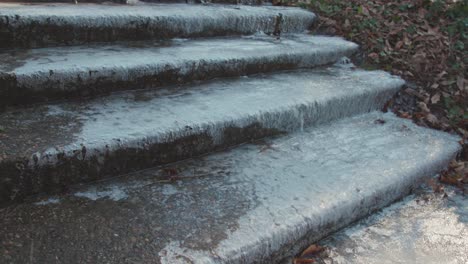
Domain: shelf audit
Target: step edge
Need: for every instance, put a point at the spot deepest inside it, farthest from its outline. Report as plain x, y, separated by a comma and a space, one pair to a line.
94, 159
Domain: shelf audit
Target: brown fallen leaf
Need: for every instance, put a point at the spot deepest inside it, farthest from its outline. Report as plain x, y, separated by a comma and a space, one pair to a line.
454, 180
309, 255
423, 107
312, 250
456, 166
373, 56
432, 119
399, 45
303, 261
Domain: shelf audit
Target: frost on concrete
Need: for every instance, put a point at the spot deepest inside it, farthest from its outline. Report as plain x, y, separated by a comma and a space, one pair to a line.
64, 24
285, 101
245, 205
114, 193
51, 73
423, 228
140, 129
48, 201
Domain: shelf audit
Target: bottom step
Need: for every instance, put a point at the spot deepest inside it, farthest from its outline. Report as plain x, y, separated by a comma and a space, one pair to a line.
250, 204
427, 227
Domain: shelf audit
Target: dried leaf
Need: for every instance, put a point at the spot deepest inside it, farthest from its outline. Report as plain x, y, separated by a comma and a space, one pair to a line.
460, 82
373, 56
432, 119
399, 45
313, 250
347, 24
303, 261
450, 179
435, 98
423, 107
458, 167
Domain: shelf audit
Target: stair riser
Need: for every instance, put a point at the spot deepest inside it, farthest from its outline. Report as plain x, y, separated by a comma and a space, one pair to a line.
36, 31
54, 170
46, 86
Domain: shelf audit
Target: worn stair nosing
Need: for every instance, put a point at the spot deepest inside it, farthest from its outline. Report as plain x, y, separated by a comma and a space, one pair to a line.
134, 131
66, 24
30, 76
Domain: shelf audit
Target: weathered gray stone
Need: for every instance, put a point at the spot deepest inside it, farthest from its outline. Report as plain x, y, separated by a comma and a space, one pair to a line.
48, 147
66, 24
67, 72
247, 205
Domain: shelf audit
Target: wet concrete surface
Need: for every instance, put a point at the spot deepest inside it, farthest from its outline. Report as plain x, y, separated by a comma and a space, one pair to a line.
36, 75
424, 228
48, 147
23, 25
249, 204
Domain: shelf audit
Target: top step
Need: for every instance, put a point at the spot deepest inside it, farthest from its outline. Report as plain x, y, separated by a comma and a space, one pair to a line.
68, 24
240, 2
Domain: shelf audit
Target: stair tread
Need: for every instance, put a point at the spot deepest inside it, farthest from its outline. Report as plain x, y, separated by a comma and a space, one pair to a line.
127, 118
47, 147
59, 24
147, 54
250, 204
50, 73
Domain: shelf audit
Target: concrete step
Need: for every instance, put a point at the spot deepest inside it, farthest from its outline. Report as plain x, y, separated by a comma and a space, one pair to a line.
66, 24
140, 2
48, 147
426, 227
247, 205
36, 75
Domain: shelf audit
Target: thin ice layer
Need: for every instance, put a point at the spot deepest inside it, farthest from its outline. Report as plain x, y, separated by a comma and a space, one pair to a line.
247, 205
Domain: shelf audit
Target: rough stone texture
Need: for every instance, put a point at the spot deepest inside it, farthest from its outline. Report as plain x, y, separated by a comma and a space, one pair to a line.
66, 24
48, 147
422, 229
66, 72
247, 205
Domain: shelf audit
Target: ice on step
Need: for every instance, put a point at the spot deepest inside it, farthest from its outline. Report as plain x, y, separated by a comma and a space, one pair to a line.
252, 203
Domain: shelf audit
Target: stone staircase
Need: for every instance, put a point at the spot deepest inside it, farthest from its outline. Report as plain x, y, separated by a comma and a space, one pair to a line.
184, 133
